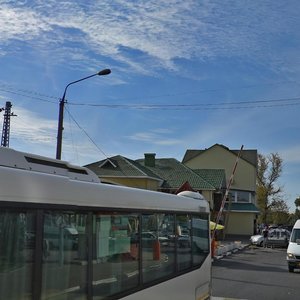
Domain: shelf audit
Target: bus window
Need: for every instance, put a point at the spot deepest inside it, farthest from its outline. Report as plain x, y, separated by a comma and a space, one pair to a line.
158, 250
183, 237
116, 254
200, 232
17, 236
64, 270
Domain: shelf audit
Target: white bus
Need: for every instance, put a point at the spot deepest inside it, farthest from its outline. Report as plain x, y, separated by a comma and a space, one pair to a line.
65, 235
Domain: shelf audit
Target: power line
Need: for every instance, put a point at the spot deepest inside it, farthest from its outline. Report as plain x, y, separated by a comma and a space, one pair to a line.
252, 104
26, 91
28, 96
71, 117
200, 106
10, 87
84, 131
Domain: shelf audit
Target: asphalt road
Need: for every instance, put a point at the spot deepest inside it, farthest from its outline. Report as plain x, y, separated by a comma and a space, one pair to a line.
255, 273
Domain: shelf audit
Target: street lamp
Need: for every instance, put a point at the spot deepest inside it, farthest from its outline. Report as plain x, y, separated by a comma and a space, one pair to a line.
61, 111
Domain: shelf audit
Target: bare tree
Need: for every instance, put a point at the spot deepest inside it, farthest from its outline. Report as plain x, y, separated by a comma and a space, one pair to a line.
269, 192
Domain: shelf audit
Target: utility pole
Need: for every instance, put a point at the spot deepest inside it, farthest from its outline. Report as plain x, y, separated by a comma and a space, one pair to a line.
226, 195
61, 110
6, 124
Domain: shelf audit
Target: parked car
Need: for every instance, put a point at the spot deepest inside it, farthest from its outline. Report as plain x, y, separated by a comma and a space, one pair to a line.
183, 240
148, 238
257, 240
278, 238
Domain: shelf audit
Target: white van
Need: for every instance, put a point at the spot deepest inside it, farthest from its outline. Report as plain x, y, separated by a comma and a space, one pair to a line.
293, 251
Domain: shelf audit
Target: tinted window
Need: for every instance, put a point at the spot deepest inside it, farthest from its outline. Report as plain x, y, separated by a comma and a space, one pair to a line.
116, 253
295, 238
64, 256
17, 236
200, 239
184, 242
158, 246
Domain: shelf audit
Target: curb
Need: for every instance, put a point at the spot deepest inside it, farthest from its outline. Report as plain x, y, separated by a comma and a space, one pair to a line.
227, 250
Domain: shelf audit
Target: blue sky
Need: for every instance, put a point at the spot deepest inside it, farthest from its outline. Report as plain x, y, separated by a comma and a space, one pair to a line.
185, 75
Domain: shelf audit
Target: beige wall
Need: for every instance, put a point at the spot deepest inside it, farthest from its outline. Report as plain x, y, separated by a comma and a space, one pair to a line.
219, 158
208, 195
240, 223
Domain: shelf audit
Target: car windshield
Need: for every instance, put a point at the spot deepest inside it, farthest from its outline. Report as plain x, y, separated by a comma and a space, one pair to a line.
295, 236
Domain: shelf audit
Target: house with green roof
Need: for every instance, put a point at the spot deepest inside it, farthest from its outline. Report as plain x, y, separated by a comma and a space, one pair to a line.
174, 174
241, 213
124, 171
205, 171
160, 174
177, 177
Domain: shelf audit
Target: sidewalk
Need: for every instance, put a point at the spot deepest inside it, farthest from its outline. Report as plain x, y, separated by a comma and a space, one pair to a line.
231, 244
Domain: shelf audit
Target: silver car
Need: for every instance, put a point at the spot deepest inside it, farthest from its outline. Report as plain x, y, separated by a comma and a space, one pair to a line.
257, 240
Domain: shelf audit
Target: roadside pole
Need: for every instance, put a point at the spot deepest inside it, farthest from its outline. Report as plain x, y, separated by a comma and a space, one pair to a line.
226, 194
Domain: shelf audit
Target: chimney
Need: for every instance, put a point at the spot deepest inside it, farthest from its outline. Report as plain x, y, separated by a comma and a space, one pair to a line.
149, 159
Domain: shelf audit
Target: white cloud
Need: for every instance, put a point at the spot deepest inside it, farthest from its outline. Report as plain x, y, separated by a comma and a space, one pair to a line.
20, 23
159, 32
29, 127
154, 137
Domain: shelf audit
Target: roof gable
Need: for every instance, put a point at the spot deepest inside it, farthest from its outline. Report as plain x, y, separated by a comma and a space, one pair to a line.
120, 166
108, 164
248, 155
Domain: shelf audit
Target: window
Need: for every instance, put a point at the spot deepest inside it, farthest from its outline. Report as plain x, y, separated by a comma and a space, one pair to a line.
231, 196
243, 196
240, 196
64, 271
295, 235
95, 254
17, 236
158, 246
116, 253
184, 242
200, 239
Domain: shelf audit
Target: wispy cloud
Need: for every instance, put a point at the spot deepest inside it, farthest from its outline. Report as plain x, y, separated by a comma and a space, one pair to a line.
155, 137
157, 32
29, 127
20, 24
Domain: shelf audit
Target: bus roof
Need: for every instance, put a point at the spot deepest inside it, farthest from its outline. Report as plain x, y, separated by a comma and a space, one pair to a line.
27, 161
30, 178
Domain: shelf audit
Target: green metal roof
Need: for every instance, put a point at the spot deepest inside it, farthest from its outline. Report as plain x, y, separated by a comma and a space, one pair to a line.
215, 177
119, 166
175, 174
170, 171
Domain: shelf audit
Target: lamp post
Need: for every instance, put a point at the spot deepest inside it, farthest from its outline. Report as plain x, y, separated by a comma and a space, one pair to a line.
61, 111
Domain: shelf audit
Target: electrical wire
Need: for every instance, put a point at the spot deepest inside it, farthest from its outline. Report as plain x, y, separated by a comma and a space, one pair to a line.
200, 106
12, 89
252, 104
84, 131
28, 96
89, 137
